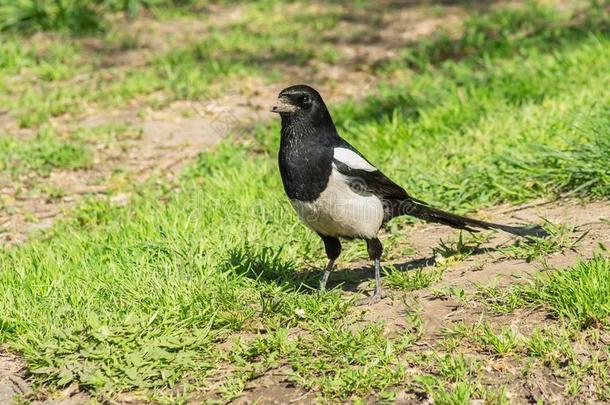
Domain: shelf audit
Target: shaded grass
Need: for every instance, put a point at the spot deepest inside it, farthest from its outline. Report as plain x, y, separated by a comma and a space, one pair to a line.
32, 15
81, 16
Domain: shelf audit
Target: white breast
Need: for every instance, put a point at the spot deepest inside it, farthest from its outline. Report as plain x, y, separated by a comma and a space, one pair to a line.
341, 212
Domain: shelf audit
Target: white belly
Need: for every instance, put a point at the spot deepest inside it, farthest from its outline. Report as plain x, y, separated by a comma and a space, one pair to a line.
340, 212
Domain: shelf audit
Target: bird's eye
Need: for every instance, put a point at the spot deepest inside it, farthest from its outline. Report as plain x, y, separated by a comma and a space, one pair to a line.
304, 100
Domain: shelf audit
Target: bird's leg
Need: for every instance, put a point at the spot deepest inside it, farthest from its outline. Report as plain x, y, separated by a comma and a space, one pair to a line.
324, 280
333, 249
377, 293
375, 249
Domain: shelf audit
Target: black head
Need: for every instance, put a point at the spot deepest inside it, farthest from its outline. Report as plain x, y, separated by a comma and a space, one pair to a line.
304, 104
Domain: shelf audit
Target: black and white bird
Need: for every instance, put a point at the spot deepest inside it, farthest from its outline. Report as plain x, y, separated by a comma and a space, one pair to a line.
337, 192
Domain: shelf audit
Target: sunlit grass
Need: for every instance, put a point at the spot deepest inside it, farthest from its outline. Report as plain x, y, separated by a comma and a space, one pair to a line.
580, 294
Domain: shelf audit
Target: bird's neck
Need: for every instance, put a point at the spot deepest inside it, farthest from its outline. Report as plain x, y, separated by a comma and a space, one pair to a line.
296, 131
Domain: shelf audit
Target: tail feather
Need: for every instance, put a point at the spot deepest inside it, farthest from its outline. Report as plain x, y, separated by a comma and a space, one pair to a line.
422, 211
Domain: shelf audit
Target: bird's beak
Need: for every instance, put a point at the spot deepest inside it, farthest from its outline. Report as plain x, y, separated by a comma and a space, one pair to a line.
283, 106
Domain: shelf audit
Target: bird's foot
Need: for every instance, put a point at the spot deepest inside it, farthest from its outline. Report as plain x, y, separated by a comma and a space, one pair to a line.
373, 299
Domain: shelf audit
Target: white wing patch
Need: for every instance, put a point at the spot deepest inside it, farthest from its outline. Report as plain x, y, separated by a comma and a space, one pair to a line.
353, 160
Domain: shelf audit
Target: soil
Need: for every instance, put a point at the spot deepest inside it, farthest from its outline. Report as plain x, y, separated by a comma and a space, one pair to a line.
11, 383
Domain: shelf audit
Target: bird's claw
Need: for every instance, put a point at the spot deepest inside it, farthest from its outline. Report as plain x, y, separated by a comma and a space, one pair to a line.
373, 299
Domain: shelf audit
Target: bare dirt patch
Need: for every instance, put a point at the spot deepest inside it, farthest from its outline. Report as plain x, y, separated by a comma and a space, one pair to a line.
274, 388
11, 384
15, 389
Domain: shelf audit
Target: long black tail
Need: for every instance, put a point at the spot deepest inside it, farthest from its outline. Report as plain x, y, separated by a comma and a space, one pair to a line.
422, 211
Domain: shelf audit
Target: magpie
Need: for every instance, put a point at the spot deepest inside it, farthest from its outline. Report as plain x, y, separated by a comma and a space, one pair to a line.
338, 193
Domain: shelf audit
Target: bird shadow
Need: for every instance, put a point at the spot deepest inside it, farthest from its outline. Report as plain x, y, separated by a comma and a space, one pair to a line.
350, 279
267, 266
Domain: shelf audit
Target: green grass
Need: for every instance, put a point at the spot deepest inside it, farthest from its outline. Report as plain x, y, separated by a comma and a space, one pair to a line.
502, 343
460, 249
151, 295
464, 122
580, 294
411, 280
550, 344
267, 36
81, 16
483, 336
32, 15
44, 152
504, 31
577, 295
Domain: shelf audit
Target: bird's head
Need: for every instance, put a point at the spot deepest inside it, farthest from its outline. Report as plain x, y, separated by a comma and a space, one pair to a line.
302, 103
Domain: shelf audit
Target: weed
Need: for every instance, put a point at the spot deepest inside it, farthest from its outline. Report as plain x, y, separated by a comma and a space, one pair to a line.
498, 299
454, 367
550, 344
502, 343
460, 249
580, 294
411, 280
